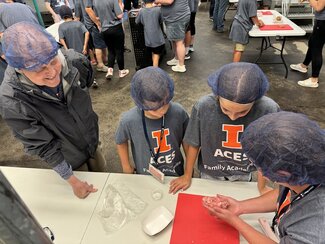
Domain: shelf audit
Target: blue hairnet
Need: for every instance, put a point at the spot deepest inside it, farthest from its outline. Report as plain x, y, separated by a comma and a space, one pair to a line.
288, 142
239, 82
151, 88
28, 46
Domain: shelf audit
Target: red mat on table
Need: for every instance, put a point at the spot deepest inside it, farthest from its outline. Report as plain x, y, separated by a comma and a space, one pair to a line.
194, 224
266, 12
276, 27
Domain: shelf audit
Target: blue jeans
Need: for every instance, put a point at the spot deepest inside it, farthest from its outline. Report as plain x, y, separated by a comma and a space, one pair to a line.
220, 8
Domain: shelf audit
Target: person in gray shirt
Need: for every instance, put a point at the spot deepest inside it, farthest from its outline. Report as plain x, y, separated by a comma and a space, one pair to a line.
72, 34
155, 128
12, 13
176, 16
150, 18
244, 20
289, 149
218, 120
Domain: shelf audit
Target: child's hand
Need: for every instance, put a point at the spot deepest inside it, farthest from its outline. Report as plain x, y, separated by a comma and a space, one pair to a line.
260, 23
181, 183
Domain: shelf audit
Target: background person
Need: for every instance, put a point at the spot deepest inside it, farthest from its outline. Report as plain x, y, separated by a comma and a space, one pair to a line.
46, 109
289, 149
315, 47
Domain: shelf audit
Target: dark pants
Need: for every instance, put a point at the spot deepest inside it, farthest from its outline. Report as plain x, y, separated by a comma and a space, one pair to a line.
315, 48
127, 4
192, 24
220, 8
212, 3
114, 39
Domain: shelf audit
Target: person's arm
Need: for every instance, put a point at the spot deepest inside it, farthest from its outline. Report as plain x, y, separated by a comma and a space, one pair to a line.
183, 182
164, 2
229, 210
54, 15
317, 5
258, 22
93, 16
63, 43
261, 184
118, 9
123, 152
85, 48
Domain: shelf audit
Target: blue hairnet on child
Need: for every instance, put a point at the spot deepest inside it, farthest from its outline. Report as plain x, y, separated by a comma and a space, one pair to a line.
286, 142
151, 88
239, 82
28, 46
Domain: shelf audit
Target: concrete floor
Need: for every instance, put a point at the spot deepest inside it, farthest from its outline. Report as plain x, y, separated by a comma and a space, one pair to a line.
212, 50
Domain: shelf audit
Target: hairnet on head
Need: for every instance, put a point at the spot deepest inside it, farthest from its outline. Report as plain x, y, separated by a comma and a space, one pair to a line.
286, 142
151, 88
28, 46
239, 82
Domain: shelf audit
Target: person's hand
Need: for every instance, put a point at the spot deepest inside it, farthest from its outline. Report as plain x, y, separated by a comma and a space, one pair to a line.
81, 188
84, 51
260, 23
181, 183
224, 208
224, 202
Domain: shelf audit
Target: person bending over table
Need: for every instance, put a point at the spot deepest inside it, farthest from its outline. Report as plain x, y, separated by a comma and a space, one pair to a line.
45, 107
289, 149
315, 47
218, 120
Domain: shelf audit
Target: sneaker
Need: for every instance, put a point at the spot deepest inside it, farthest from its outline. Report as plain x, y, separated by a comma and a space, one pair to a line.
222, 30
298, 67
172, 62
187, 56
191, 49
308, 83
123, 73
94, 85
102, 68
179, 68
109, 74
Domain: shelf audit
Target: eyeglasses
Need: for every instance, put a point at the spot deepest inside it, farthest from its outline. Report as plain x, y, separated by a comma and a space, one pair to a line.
49, 233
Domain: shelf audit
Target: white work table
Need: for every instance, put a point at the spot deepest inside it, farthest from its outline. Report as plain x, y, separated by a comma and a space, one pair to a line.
52, 201
266, 34
74, 220
143, 186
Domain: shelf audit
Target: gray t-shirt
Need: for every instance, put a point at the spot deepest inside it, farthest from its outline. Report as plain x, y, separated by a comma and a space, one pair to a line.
12, 13
151, 19
219, 137
305, 221
170, 160
80, 12
193, 4
56, 4
73, 32
179, 9
320, 15
242, 23
106, 10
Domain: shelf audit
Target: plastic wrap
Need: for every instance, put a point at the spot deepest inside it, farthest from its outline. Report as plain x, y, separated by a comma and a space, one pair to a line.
119, 207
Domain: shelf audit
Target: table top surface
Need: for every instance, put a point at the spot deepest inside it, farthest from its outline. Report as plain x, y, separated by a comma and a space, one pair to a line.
73, 220
268, 20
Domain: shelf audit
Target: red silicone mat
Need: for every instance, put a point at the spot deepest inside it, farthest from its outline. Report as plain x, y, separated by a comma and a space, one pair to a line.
276, 27
194, 224
266, 12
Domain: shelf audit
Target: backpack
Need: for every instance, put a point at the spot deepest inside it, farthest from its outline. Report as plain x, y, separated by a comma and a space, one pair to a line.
82, 64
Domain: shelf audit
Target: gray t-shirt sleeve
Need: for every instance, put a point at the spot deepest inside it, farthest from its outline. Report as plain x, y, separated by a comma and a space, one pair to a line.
83, 28
61, 34
192, 134
122, 134
138, 19
117, 8
89, 4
